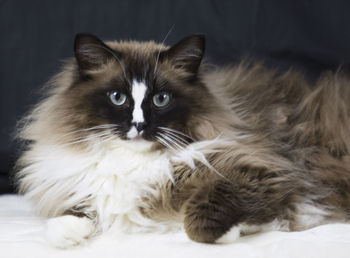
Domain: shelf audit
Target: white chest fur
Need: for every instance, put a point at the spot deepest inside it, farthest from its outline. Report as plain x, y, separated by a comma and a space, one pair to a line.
123, 177
106, 182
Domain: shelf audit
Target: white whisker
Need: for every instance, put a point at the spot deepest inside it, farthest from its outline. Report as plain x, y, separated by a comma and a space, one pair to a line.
89, 137
156, 65
108, 138
172, 142
173, 136
104, 126
164, 142
176, 137
176, 132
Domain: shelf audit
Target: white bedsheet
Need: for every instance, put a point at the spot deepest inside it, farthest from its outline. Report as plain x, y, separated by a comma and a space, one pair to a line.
22, 235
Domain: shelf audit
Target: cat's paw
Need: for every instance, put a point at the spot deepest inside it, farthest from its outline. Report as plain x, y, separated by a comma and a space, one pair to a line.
204, 224
67, 231
210, 214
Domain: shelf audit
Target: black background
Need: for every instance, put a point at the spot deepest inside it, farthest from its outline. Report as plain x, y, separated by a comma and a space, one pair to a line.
36, 35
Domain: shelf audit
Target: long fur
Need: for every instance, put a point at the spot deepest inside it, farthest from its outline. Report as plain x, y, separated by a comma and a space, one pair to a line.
264, 147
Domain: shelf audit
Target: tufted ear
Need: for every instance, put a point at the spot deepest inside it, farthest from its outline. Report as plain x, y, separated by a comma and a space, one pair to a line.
187, 53
91, 52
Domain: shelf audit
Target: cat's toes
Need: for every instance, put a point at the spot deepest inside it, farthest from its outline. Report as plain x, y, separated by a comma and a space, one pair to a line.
67, 231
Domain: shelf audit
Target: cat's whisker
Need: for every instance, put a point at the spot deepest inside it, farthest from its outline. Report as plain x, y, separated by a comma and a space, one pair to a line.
178, 140
173, 142
160, 49
104, 126
176, 132
106, 139
164, 142
102, 140
88, 138
176, 137
182, 144
204, 162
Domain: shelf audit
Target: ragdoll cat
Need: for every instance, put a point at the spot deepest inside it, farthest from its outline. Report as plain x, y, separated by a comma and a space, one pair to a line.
138, 137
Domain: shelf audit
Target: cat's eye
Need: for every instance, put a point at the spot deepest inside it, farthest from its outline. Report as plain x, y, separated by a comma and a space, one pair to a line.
117, 98
161, 99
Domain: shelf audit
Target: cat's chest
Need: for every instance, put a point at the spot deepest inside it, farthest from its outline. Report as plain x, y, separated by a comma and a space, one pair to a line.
121, 177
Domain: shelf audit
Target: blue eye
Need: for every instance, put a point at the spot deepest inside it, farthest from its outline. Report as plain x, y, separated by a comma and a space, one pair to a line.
161, 99
117, 97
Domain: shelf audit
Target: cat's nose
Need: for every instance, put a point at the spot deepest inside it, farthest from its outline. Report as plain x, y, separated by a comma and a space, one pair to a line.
140, 126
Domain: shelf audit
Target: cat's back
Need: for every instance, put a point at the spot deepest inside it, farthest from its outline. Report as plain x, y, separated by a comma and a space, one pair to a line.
258, 95
308, 113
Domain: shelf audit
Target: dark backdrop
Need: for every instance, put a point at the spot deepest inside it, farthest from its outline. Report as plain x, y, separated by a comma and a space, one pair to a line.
35, 35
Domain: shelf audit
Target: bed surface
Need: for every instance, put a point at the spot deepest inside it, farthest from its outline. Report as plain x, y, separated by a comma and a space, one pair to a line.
22, 235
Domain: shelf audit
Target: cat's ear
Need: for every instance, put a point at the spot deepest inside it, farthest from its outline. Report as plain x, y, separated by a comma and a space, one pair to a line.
187, 53
91, 52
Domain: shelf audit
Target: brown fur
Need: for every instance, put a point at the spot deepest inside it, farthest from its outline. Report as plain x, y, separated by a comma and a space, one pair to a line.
286, 142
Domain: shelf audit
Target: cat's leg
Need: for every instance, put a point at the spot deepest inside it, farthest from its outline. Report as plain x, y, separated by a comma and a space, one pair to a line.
69, 230
218, 212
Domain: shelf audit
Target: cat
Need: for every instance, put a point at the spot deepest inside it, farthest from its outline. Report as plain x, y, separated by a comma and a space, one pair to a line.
138, 136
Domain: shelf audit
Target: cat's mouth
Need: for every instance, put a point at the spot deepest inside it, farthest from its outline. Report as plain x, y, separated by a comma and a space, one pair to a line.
135, 135
139, 137
139, 142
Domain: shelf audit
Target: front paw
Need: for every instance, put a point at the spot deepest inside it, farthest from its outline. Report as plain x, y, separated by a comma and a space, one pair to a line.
210, 215
67, 231
205, 225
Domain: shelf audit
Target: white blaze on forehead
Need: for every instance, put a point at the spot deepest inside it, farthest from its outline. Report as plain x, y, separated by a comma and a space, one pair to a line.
138, 92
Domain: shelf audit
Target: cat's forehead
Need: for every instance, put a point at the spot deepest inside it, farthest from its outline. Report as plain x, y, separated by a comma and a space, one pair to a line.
138, 59
142, 48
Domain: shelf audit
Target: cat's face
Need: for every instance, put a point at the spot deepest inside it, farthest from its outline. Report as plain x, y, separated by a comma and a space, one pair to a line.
137, 91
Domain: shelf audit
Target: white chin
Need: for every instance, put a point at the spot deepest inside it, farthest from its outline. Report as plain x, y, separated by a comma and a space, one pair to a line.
133, 133
136, 141
139, 144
